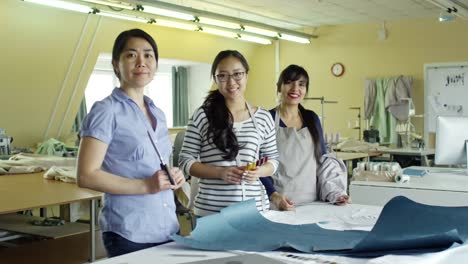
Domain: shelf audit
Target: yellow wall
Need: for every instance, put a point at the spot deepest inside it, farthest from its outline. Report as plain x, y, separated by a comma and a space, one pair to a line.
410, 45
37, 51
38, 43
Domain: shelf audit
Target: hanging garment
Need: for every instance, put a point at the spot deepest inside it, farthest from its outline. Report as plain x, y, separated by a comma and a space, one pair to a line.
382, 120
399, 89
370, 93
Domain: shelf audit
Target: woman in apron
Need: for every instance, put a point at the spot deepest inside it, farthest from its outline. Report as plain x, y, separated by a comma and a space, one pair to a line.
304, 175
225, 135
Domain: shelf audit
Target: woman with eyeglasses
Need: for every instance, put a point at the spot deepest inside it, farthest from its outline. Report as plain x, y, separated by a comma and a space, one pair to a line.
304, 174
225, 135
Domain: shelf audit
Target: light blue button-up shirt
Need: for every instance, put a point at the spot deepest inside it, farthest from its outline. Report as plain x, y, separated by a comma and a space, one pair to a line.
118, 122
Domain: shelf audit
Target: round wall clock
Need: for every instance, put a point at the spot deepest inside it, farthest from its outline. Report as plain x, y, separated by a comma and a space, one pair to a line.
337, 69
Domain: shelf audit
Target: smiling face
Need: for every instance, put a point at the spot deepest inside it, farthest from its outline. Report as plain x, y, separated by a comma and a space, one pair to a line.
293, 92
231, 78
137, 63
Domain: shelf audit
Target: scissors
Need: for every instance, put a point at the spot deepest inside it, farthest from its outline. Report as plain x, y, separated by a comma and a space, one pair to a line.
162, 164
255, 164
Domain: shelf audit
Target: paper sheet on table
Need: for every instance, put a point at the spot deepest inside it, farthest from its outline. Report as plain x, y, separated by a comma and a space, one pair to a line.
399, 230
350, 217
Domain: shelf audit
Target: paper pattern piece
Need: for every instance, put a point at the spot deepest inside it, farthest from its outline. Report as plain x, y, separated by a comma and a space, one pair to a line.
403, 227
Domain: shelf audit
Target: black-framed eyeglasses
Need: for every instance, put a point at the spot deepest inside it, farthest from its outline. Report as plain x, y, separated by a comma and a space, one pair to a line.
224, 77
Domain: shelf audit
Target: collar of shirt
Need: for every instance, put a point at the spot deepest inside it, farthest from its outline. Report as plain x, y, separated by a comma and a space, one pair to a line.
119, 95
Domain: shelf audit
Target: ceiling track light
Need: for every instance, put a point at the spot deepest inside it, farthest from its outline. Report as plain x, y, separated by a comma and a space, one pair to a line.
173, 24
451, 8
123, 16
259, 40
168, 15
218, 32
116, 4
294, 38
166, 12
216, 22
63, 4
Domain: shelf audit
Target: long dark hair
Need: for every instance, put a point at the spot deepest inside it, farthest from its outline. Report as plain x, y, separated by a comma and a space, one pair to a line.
293, 73
219, 117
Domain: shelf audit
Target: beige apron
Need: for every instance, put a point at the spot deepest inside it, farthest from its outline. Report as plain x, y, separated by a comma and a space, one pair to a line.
296, 177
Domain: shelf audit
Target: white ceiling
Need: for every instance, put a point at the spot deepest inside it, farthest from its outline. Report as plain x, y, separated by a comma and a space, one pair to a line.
299, 14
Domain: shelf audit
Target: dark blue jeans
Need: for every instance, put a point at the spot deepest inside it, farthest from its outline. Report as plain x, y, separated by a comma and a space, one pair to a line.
117, 245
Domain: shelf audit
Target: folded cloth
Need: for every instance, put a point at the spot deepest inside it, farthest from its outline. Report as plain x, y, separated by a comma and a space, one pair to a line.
24, 169
44, 161
14, 167
65, 174
353, 145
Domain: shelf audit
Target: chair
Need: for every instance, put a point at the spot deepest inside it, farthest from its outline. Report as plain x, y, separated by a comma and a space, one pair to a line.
183, 194
179, 140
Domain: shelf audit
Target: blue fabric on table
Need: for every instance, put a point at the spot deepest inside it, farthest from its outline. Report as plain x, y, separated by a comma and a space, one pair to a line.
241, 227
404, 227
408, 226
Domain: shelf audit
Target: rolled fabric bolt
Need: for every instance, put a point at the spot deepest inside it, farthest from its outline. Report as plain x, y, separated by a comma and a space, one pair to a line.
386, 166
402, 178
394, 167
375, 166
361, 165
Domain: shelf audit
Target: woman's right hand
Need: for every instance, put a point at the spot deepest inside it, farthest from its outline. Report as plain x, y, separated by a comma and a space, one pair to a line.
232, 175
158, 182
281, 202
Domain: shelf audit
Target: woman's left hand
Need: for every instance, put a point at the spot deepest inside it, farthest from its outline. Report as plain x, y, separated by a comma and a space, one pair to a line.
178, 176
343, 200
251, 176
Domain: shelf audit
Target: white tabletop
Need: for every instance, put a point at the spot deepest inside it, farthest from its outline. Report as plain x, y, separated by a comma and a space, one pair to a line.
408, 151
438, 179
352, 216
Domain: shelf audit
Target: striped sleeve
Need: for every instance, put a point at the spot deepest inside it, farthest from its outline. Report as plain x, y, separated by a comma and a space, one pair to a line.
191, 146
268, 145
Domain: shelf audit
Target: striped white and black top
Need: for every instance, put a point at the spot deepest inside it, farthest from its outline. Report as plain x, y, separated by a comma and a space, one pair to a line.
256, 139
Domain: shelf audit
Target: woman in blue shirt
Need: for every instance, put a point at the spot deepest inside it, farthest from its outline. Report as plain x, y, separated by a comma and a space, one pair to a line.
116, 155
302, 176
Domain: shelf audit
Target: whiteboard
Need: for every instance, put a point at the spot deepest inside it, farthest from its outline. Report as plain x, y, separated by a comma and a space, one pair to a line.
446, 92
